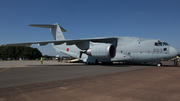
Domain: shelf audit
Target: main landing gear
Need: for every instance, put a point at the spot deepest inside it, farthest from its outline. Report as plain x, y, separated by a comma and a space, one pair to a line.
159, 64
92, 63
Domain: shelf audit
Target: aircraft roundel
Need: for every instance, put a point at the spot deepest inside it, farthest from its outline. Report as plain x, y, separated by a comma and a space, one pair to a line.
67, 49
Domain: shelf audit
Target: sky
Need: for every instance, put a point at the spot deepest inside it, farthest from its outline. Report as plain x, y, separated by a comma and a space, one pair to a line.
156, 19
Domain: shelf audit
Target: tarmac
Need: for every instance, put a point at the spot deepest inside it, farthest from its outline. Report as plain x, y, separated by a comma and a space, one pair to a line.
80, 82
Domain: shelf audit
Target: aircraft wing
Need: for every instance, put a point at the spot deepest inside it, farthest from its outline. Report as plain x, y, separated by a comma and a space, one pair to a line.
112, 40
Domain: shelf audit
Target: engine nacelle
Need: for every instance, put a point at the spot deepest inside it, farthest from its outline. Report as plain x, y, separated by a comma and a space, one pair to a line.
102, 51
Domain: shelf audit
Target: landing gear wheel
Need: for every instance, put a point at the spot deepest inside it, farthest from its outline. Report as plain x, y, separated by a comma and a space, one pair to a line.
159, 64
90, 63
96, 62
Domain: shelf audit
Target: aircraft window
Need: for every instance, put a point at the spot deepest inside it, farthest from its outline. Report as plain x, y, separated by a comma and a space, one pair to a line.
156, 44
159, 44
165, 49
165, 44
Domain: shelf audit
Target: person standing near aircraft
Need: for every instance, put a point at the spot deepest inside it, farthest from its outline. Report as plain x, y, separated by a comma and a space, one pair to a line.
41, 60
177, 59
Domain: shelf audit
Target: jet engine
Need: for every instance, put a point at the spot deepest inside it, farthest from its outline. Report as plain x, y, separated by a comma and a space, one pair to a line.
102, 51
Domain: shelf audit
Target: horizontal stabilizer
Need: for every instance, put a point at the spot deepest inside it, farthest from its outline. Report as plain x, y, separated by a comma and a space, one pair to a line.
47, 26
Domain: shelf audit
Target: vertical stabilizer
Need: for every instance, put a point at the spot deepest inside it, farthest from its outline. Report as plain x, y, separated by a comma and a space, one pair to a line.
55, 29
57, 32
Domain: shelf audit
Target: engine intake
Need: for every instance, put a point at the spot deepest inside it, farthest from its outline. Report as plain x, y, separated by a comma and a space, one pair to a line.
102, 51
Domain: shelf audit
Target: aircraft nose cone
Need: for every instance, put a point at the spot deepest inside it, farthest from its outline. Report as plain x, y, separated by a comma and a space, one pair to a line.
173, 52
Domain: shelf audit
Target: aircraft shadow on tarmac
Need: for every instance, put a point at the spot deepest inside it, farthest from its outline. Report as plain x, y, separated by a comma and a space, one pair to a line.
110, 65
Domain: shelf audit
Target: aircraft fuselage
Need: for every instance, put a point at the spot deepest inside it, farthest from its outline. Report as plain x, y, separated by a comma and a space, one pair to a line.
128, 49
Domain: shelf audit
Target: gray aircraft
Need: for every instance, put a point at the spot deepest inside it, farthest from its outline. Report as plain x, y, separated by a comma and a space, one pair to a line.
108, 49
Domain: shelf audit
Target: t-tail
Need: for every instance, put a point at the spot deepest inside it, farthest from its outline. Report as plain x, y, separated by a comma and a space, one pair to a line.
55, 29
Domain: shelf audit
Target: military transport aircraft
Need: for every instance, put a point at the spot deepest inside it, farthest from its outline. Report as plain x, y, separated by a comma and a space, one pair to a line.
108, 49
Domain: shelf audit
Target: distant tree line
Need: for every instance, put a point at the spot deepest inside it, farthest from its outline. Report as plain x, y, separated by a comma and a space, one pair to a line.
16, 52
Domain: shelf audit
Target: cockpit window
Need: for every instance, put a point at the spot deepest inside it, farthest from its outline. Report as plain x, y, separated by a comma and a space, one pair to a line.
165, 44
161, 44
156, 44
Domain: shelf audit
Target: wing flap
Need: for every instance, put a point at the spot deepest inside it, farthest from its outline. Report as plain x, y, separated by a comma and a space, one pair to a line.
58, 43
43, 43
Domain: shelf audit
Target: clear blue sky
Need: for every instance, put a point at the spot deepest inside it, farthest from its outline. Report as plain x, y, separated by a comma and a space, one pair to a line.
157, 19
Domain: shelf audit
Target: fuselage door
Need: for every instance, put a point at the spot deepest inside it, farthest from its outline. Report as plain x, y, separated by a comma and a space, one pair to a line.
135, 56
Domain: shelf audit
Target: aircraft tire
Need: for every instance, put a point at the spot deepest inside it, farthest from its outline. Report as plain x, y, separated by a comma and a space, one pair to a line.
107, 63
159, 64
89, 63
96, 62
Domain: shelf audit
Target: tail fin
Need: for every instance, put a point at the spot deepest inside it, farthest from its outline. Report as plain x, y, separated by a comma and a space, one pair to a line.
55, 29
